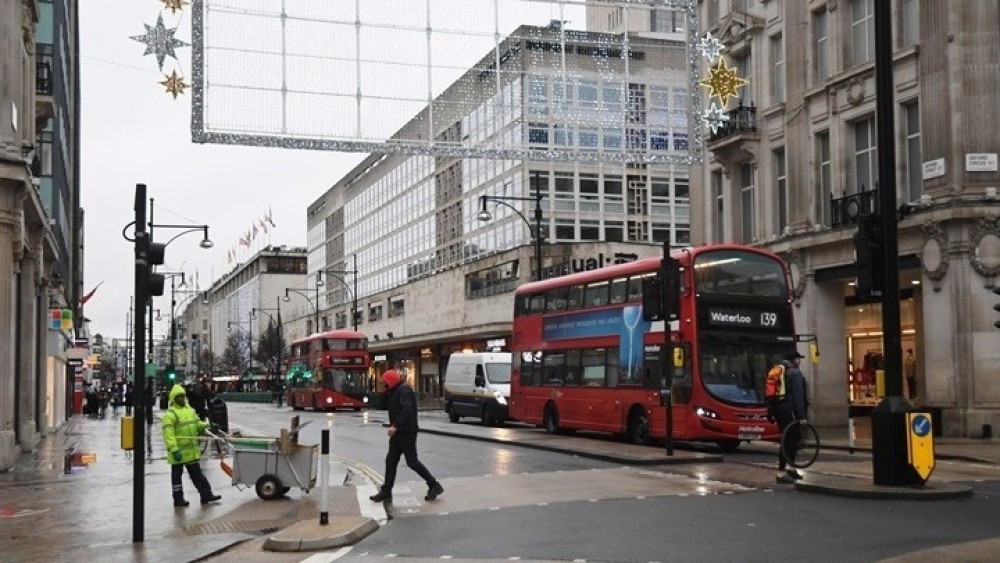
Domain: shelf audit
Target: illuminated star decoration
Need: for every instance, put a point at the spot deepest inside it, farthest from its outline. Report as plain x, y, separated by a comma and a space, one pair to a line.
174, 83
174, 5
710, 47
723, 82
160, 41
716, 117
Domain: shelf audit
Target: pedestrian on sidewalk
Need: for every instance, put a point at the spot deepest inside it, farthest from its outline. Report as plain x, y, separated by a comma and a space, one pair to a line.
790, 411
181, 428
403, 428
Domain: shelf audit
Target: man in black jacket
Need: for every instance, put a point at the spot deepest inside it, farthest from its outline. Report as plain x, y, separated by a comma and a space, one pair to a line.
791, 411
402, 406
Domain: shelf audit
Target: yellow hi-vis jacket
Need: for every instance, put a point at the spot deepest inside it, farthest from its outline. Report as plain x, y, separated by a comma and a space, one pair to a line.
181, 428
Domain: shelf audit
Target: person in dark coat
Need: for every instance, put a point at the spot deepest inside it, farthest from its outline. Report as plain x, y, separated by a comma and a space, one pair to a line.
791, 411
403, 428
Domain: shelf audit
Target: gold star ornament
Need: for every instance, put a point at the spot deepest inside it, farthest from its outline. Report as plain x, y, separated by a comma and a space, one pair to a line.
722, 81
174, 83
174, 5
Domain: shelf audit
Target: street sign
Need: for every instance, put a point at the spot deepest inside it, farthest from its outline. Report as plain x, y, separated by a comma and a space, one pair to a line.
920, 443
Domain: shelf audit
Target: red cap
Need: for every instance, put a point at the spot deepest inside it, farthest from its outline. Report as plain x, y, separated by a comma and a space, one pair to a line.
391, 379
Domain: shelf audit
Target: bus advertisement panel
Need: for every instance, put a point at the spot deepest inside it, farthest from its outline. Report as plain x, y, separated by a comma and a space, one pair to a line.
329, 370
584, 358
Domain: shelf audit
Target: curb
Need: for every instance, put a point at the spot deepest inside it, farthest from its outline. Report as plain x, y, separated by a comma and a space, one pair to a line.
853, 488
309, 535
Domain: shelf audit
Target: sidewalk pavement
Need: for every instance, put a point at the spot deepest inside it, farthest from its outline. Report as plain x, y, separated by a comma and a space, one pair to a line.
48, 514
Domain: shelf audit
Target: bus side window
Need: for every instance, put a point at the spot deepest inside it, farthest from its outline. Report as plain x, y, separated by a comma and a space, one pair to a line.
574, 367
537, 304
596, 294
619, 290
575, 298
521, 305
635, 289
594, 371
554, 368
555, 299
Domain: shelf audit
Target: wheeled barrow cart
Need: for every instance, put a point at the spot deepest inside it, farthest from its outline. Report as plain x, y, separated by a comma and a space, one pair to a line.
273, 465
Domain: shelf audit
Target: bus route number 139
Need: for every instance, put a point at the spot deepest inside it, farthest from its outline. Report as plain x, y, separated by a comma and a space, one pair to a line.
769, 319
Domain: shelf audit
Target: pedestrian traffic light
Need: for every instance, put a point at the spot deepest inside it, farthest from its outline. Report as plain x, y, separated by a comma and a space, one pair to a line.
868, 257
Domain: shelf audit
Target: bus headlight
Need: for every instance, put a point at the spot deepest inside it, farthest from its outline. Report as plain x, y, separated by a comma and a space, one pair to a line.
707, 413
329, 400
499, 397
365, 399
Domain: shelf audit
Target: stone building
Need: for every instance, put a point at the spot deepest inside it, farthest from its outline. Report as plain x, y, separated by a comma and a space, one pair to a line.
40, 219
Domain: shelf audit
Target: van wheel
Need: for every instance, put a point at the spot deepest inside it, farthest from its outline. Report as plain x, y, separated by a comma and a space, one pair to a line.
487, 415
551, 420
452, 415
638, 426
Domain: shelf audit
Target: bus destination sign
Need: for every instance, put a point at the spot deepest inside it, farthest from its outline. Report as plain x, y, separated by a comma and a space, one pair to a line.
743, 318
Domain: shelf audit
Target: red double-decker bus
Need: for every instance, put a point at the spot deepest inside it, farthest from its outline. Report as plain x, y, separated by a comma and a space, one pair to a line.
584, 358
329, 370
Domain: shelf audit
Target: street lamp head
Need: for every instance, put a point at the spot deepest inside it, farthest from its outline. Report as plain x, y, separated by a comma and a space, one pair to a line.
319, 279
206, 243
287, 298
485, 216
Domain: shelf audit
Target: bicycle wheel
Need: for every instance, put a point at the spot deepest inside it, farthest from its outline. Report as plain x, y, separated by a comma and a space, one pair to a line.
808, 444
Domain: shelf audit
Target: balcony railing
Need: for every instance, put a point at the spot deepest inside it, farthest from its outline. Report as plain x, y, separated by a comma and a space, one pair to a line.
44, 63
742, 119
846, 210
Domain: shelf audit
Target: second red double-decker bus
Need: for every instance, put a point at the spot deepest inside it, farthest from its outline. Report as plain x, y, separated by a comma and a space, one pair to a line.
584, 358
329, 370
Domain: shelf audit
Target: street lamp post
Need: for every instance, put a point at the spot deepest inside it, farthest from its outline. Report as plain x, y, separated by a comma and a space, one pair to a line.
173, 304
485, 215
315, 303
354, 292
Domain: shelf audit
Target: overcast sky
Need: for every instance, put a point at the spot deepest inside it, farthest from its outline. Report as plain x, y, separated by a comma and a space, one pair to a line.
133, 132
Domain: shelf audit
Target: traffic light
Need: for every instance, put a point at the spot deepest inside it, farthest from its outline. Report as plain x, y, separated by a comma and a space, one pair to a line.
996, 290
170, 373
155, 255
868, 253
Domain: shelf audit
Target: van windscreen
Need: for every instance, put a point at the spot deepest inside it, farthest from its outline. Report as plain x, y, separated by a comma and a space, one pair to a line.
498, 373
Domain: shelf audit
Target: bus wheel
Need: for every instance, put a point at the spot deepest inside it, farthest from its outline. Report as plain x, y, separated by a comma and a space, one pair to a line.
638, 426
452, 415
551, 420
728, 446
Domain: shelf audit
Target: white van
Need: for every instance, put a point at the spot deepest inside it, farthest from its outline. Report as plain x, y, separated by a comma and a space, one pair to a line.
477, 384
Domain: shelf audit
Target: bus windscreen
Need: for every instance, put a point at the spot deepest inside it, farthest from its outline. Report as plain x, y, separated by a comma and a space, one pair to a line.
738, 273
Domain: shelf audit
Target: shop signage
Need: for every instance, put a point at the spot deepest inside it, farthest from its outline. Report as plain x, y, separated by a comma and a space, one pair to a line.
586, 264
379, 358
496, 343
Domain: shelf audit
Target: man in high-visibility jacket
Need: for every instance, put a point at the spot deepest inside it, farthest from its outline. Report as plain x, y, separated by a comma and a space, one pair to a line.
181, 428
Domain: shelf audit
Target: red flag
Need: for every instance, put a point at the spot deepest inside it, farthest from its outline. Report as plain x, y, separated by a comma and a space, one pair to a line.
85, 298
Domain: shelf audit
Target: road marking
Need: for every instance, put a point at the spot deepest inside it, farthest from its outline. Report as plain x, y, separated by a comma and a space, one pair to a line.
326, 557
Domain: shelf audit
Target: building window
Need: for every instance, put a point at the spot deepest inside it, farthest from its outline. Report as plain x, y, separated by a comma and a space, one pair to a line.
666, 21
778, 64
825, 186
744, 67
565, 230
747, 200
821, 46
865, 155
590, 229
914, 165
614, 231
720, 206
862, 31
909, 33
781, 189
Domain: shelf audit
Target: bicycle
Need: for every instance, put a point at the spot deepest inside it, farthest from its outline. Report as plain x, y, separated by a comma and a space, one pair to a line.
809, 444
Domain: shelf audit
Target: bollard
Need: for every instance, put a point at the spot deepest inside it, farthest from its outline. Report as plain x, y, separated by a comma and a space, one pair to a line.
324, 479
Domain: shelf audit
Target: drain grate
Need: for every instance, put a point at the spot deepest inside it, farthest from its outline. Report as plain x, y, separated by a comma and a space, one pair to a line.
247, 526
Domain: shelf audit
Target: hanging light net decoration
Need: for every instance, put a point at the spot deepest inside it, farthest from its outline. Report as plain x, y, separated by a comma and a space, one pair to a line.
502, 79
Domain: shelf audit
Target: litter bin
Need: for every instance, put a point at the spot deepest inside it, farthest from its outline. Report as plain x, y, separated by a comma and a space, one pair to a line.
218, 413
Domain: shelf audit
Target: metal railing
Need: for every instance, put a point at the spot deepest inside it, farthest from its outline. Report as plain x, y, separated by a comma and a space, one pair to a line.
742, 119
845, 210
